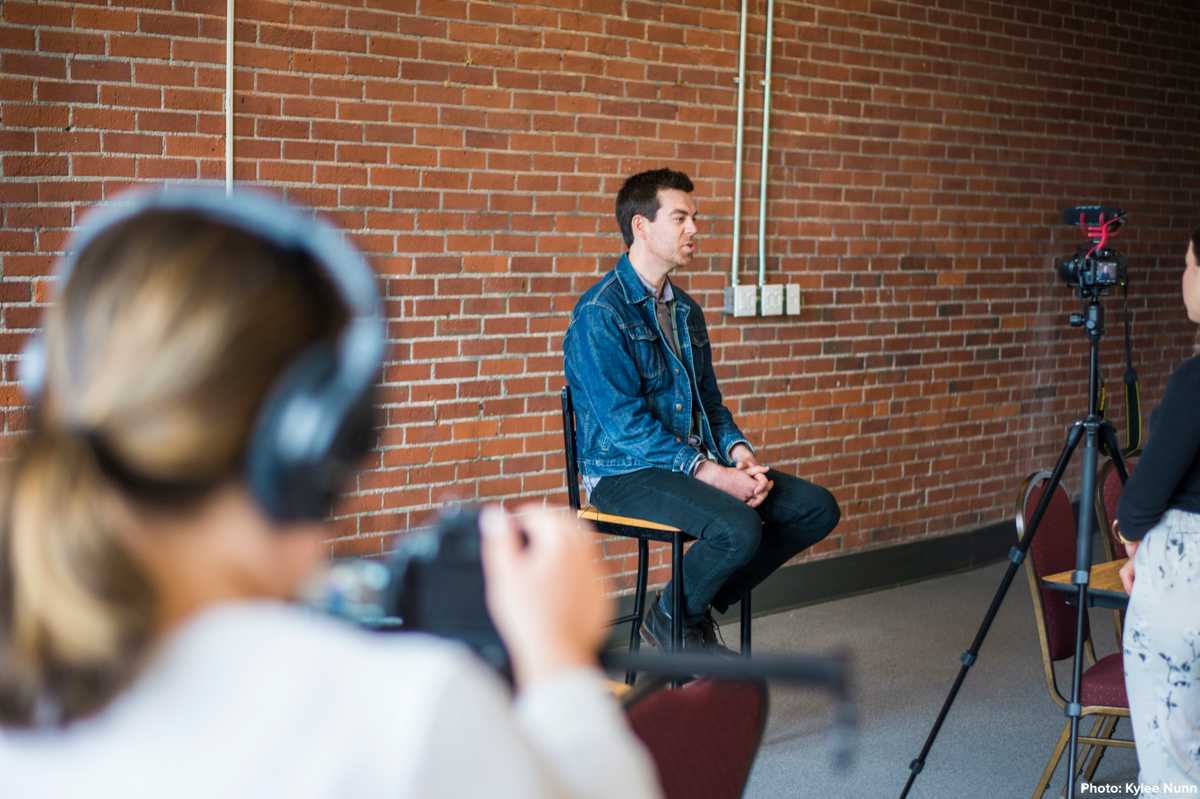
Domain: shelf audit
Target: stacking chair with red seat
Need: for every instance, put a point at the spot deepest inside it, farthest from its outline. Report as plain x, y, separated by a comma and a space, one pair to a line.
1102, 687
702, 737
1108, 496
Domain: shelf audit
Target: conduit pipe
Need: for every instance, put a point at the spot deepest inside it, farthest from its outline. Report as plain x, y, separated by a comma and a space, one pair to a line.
766, 136
737, 146
229, 97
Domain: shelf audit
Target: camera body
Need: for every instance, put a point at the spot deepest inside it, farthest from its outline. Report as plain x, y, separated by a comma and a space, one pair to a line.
436, 585
1093, 270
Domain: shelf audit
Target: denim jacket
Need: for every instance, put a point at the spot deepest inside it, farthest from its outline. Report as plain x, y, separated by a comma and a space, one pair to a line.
633, 397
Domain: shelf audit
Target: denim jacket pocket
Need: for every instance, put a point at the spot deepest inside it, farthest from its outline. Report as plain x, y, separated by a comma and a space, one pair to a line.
701, 352
647, 352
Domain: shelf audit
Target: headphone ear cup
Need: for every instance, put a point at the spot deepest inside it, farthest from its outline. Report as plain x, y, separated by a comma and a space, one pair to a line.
32, 369
308, 438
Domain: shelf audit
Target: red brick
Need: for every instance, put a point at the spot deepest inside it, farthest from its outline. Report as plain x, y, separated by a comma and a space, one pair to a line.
104, 19
25, 265
130, 96
166, 122
167, 168
52, 92
203, 52
41, 115
36, 65
34, 165
100, 70
75, 142
71, 42
169, 24
139, 46
37, 14
158, 75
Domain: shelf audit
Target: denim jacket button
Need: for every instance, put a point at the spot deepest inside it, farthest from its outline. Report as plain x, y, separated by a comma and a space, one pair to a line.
678, 440
678, 407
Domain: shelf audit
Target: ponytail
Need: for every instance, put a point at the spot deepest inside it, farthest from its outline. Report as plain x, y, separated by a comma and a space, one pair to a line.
76, 608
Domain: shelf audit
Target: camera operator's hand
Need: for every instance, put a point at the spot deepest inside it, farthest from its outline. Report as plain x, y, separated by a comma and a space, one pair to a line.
546, 598
1127, 572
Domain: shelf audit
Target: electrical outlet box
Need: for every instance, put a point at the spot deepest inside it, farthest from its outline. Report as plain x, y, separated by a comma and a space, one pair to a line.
792, 303
772, 300
741, 300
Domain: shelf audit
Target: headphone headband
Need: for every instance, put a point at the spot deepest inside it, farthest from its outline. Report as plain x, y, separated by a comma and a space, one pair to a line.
313, 417
362, 344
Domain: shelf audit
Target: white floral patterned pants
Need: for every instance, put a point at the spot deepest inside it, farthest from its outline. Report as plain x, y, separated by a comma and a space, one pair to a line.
1162, 653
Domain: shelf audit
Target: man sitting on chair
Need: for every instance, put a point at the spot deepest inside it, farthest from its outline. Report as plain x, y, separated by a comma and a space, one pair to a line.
654, 439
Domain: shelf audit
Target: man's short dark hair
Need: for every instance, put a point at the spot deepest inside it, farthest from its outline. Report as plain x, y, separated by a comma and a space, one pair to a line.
639, 196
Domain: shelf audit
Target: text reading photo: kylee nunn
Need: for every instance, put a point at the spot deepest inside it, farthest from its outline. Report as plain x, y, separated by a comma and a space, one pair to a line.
1137, 789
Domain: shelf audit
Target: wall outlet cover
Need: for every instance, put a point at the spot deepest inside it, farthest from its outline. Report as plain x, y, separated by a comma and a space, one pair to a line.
772, 300
793, 299
741, 300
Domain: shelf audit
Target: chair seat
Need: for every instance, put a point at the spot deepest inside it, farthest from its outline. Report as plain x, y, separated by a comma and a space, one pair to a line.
1104, 683
591, 514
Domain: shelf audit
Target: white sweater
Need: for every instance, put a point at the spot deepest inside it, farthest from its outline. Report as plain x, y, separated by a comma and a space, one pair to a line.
264, 700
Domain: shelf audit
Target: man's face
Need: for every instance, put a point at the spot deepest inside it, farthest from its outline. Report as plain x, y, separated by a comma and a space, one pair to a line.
671, 236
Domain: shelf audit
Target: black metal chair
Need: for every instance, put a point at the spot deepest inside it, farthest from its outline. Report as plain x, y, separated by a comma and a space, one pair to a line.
644, 531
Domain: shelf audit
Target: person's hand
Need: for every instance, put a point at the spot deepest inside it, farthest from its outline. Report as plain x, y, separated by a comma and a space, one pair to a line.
745, 461
737, 483
546, 598
1126, 571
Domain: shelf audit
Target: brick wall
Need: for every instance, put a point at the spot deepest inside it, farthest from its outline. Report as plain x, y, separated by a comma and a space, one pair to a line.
921, 153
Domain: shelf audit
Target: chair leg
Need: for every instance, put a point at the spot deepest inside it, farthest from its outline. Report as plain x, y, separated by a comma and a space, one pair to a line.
639, 604
1055, 756
746, 623
677, 606
1087, 751
1105, 727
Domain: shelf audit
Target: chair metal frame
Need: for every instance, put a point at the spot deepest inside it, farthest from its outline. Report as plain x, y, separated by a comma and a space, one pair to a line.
1112, 547
644, 531
1106, 716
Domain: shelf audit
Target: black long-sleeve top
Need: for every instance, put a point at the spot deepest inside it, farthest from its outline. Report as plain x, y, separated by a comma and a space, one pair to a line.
1168, 473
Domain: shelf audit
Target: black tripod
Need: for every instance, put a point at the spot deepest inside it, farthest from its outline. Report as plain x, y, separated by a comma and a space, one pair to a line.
1096, 432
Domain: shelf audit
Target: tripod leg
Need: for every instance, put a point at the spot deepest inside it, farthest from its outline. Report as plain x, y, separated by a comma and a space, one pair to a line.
1016, 557
1080, 578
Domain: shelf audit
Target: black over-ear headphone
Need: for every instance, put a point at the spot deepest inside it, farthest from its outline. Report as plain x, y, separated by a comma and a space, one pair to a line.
317, 420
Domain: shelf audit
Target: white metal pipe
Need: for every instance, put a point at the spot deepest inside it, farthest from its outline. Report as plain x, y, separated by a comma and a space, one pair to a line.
229, 97
766, 136
738, 146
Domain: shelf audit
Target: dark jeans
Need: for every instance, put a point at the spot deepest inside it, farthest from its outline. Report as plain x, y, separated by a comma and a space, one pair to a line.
737, 546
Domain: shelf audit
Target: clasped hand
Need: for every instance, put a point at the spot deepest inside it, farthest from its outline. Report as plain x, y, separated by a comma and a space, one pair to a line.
746, 481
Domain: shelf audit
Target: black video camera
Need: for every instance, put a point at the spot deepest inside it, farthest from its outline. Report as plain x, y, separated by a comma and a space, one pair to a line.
1096, 267
437, 585
433, 583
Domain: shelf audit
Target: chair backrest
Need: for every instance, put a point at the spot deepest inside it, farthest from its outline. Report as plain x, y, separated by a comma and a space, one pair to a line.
572, 468
1108, 495
1052, 551
703, 737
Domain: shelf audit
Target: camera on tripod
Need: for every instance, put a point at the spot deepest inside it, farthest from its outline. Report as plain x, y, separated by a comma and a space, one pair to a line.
1094, 268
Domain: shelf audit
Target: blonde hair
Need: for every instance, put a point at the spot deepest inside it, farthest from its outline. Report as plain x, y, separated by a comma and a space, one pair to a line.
167, 337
